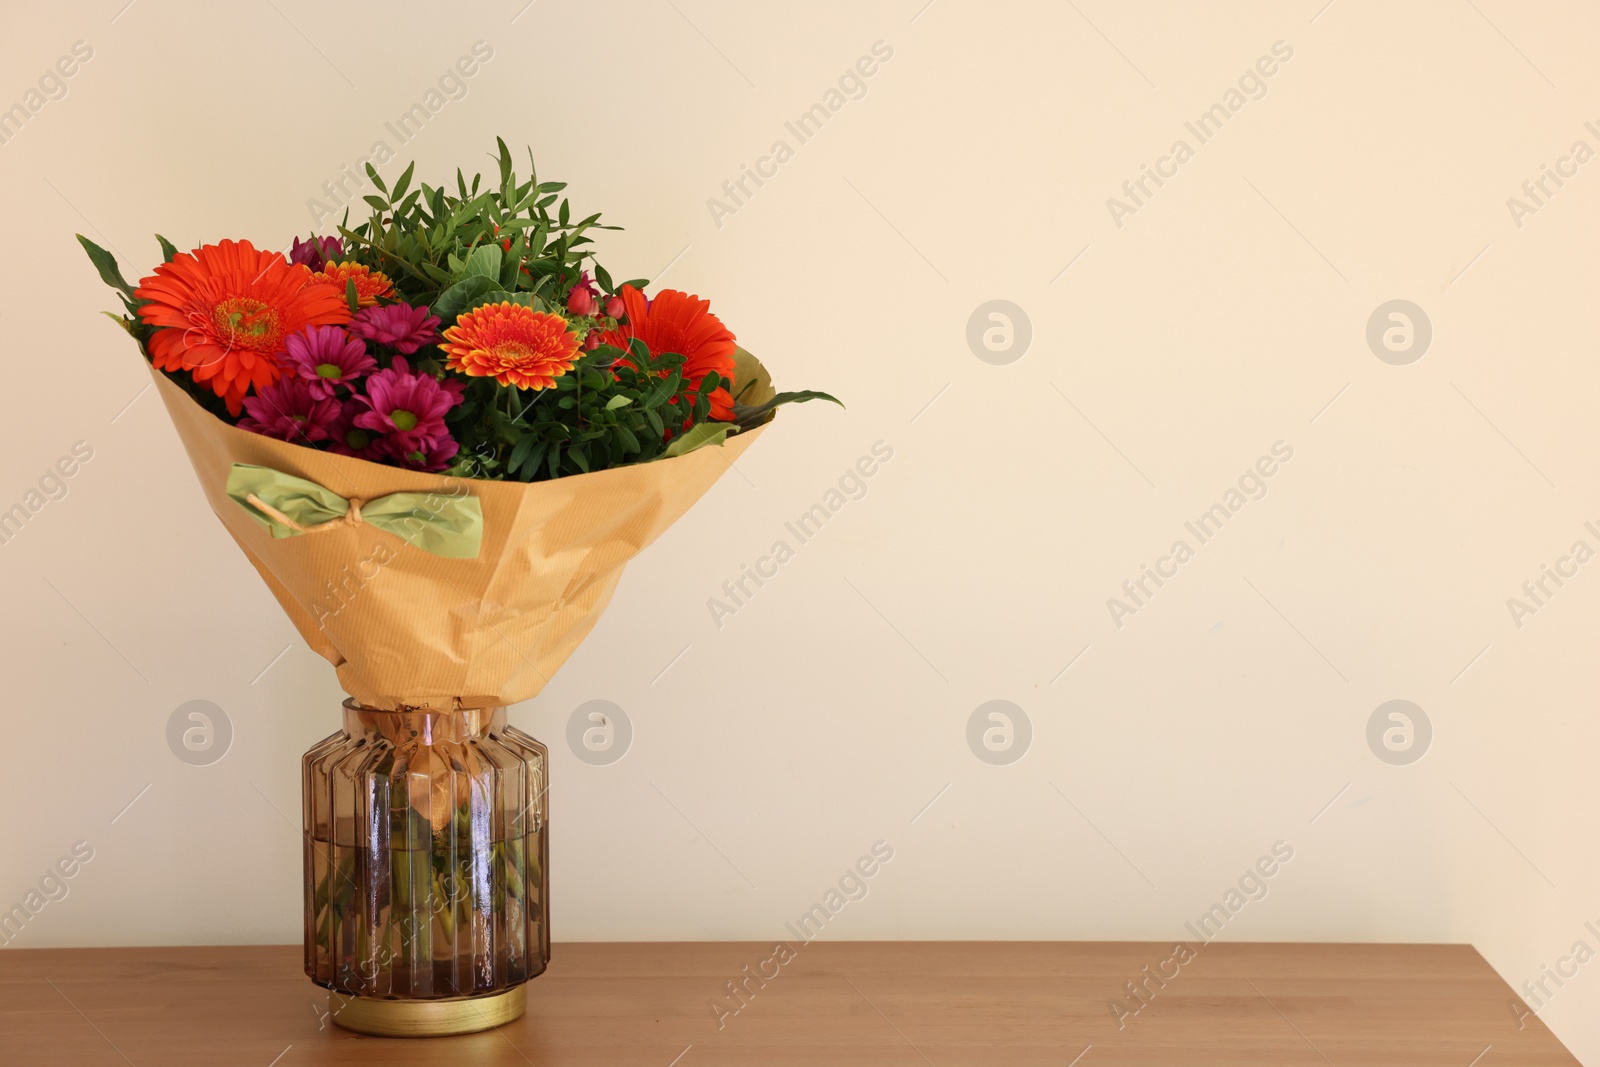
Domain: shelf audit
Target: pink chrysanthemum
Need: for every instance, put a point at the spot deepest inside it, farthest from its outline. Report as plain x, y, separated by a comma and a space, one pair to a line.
316, 251
434, 455
325, 357
289, 411
409, 406
348, 439
398, 326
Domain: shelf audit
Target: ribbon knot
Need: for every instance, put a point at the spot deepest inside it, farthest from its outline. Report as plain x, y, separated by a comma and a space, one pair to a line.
444, 524
351, 517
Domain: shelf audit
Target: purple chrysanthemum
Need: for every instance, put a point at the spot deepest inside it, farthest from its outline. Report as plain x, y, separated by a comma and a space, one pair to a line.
434, 455
316, 251
325, 356
348, 439
410, 407
289, 411
398, 326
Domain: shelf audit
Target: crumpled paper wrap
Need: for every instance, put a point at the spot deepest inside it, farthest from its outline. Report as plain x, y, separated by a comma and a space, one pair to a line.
406, 628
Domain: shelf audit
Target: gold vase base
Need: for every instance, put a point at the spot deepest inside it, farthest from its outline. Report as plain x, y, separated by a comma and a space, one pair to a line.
382, 1017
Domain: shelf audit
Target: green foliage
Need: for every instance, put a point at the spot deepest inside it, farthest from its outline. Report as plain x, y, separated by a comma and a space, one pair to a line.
746, 417
106, 264
459, 249
444, 248
599, 415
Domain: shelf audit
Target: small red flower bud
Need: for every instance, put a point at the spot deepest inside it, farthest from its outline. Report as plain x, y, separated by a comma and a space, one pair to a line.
581, 302
591, 342
615, 307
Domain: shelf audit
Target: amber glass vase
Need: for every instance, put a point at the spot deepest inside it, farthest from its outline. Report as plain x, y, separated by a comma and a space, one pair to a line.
426, 881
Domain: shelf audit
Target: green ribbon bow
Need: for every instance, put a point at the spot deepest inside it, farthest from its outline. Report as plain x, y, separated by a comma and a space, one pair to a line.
445, 525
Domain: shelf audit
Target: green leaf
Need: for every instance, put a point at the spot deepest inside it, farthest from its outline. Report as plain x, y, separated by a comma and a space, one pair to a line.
706, 433
454, 300
168, 251
403, 183
484, 262
664, 390
120, 321
520, 453
438, 274
500, 296
504, 160
621, 400
350, 295
106, 264
750, 416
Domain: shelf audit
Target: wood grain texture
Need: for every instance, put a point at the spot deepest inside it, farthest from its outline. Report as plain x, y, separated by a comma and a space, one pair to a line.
945, 1004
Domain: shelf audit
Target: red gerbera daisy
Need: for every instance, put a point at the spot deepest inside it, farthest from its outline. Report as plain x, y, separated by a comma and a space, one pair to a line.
682, 323
224, 311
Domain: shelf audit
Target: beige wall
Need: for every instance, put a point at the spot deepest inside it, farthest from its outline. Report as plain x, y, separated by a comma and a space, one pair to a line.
1172, 346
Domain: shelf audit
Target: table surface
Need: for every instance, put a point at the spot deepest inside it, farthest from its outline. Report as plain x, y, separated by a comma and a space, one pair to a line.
943, 1004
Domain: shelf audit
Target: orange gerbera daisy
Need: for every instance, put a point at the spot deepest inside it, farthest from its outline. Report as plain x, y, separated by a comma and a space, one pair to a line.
224, 311
370, 284
513, 344
682, 323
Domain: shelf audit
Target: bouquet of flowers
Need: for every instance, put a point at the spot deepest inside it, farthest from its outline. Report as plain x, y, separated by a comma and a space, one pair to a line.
422, 362
438, 435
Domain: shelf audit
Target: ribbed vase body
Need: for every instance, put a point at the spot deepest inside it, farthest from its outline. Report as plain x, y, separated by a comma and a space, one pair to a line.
426, 849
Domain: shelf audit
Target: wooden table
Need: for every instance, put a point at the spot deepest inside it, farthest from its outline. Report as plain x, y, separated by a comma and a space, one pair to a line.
913, 1003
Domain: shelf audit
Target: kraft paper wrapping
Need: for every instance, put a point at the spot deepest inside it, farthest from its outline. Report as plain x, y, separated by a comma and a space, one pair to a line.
406, 628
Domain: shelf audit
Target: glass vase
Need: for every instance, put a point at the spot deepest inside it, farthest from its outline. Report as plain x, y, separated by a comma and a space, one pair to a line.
426, 874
